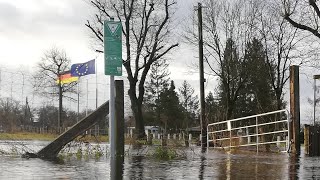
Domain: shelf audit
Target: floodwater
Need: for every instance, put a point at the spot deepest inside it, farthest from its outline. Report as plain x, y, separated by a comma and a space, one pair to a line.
195, 165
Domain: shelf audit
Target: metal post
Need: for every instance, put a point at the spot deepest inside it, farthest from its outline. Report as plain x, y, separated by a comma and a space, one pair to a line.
22, 86
87, 98
96, 68
202, 80
230, 140
0, 83
112, 131
257, 131
11, 90
207, 137
314, 101
78, 101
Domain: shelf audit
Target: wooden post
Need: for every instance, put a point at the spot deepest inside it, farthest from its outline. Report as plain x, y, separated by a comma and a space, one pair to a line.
294, 124
119, 117
306, 139
203, 122
51, 150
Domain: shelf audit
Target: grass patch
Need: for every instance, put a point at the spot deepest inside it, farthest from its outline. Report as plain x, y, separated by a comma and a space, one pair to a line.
27, 136
164, 153
47, 137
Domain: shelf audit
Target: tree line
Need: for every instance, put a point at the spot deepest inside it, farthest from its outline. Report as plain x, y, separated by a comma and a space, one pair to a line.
16, 116
249, 47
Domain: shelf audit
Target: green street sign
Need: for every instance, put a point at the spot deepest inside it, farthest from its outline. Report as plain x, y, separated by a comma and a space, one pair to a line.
113, 48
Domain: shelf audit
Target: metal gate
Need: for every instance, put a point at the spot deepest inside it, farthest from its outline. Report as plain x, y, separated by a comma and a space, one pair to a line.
267, 131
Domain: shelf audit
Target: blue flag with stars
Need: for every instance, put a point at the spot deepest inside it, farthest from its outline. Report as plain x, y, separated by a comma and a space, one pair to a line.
83, 69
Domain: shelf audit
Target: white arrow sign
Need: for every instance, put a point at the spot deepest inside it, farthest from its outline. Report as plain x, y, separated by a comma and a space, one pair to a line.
113, 27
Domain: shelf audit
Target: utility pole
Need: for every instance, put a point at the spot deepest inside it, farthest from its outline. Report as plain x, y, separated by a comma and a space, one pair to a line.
294, 125
202, 80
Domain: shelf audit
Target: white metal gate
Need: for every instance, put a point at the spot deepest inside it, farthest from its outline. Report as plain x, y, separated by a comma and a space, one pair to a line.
268, 129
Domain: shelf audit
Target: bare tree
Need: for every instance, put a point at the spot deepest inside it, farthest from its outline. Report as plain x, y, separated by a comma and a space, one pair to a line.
146, 30
227, 28
281, 45
303, 14
53, 63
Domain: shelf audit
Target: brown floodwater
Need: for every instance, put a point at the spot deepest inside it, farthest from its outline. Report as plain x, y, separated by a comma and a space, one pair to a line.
195, 165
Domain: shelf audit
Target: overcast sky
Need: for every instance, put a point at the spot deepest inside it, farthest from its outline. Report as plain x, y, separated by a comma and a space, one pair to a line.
30, 27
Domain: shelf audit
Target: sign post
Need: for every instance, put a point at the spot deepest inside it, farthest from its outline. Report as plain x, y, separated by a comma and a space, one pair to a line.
113, 67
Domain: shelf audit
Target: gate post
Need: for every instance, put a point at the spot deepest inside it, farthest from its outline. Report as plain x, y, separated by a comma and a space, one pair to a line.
294, 125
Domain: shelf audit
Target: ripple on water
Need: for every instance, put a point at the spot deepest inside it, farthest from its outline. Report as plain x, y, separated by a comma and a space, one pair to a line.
211, 165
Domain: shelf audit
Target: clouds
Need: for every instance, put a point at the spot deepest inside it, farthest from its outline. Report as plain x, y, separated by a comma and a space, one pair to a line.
28, 28
41, 17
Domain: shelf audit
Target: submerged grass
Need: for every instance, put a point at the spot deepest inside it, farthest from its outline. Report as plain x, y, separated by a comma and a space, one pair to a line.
164, 153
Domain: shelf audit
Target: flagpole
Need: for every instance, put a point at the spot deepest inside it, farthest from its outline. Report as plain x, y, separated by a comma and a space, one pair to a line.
96, 68
78, 100
87, 98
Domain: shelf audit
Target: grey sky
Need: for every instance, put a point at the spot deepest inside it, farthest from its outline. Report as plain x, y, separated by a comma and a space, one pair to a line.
28, 28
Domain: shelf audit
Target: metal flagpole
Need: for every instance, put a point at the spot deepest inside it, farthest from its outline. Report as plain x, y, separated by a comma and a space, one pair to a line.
87, 98
78, 100
96, 70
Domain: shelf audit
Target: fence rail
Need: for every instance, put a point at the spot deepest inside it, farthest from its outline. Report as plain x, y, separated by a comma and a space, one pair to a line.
260, 129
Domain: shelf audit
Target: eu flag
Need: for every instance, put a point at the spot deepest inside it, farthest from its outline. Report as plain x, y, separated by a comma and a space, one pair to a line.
83, 69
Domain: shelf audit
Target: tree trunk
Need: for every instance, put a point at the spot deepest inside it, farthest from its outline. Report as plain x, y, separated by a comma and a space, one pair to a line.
136, 107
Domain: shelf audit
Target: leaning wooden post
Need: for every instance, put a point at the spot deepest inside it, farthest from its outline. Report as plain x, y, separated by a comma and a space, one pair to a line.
119, 117
294, 124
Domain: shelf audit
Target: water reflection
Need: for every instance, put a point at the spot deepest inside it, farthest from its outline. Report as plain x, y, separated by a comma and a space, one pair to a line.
116, 164
248, 166
294, 167
202, 166
210, 165
136, 167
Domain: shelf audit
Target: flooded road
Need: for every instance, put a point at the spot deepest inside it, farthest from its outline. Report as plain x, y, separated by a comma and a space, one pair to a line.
211, 165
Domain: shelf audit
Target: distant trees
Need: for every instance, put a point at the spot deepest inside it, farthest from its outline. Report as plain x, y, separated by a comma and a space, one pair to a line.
258, 87
282, 44
47, 117
157, 82
232, 78
146, 31
11, 115
214, 111
190, 104
178, 109
171, 108
249, 47
50, 67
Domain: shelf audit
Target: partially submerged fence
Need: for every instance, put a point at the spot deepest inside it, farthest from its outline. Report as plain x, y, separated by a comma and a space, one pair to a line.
267, 131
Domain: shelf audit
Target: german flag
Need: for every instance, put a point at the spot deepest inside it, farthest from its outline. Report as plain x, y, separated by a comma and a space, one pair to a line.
66, 78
